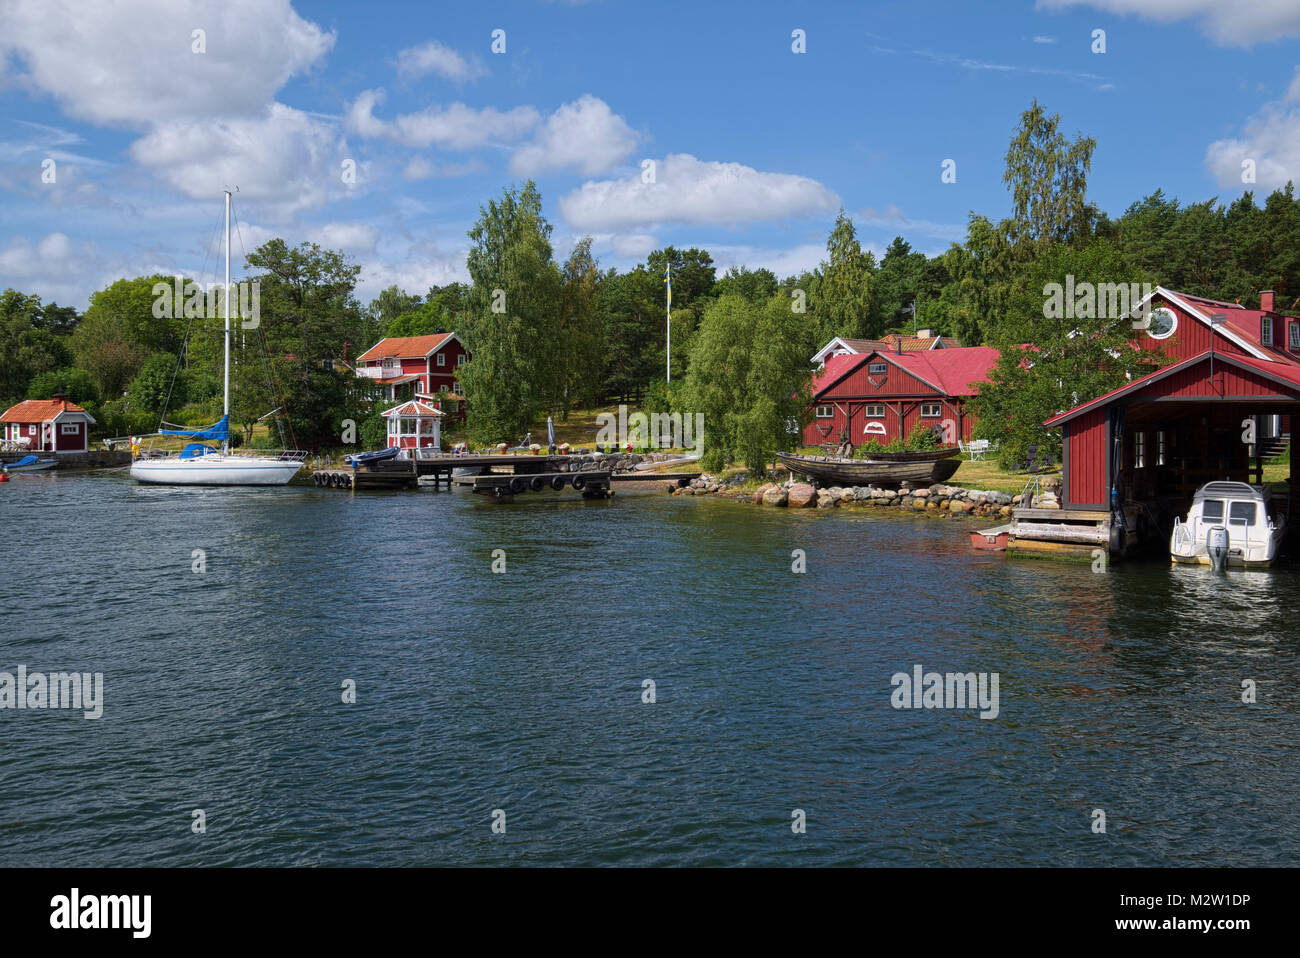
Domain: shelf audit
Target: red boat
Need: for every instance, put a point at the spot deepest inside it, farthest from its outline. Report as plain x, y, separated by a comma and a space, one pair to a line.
991, 540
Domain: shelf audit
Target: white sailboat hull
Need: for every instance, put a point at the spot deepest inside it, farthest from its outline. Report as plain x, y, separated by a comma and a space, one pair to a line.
216, 469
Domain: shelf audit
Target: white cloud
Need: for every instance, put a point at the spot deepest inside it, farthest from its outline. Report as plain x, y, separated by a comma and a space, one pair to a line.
782, 262
1235, 23
434, 57
59, 270
452, 127
284, 161
584, 135
1043, 39
633, 245
1270, 138
349, 237
687, 190
425, 264
421, 169
892, 218
131, 62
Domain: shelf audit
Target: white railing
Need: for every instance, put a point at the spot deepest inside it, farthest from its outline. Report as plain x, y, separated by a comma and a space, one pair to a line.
379, 372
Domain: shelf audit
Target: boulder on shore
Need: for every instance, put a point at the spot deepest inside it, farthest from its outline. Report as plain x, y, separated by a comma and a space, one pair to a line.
762, 491
776, 496
802, 495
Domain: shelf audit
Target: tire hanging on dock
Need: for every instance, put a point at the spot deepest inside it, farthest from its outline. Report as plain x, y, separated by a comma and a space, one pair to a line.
518, 484
579, 483
537, 483
557, 483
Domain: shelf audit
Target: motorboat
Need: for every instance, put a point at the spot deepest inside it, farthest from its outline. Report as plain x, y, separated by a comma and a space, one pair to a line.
1229, 524
30, 464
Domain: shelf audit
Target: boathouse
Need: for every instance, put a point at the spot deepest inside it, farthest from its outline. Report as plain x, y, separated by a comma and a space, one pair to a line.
1221, 405
411, 367
47, 425
885, 394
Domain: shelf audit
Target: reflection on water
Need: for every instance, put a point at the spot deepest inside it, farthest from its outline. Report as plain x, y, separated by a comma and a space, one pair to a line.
522, 691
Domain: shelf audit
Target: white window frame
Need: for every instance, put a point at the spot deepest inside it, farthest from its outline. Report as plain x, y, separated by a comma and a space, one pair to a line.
1293, 331
442, 359
390, 362
460, 360
830, 411
1139, 449
1266, 330
880, 368
937, 408
870, 413
31, 430
69, 429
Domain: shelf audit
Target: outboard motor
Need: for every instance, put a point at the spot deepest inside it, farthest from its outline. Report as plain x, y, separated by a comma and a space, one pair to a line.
1216, 547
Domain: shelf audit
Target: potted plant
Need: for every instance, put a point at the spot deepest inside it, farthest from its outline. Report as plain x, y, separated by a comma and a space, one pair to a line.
534, 448
502, 447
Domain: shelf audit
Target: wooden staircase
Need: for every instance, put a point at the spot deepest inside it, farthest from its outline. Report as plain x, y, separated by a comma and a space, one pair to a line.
1272, 448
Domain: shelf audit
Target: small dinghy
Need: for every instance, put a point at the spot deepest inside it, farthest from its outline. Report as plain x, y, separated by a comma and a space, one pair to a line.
1228, 525
31, 464
370, 458
991, 540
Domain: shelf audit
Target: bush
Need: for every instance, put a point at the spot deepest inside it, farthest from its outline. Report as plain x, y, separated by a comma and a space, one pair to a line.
921, 437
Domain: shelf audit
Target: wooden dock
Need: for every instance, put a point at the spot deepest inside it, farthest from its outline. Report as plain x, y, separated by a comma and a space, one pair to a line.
593, 484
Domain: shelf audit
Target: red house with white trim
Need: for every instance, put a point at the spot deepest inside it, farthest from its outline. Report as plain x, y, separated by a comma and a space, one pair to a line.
48, 425
884, 395
1231, 371
414, 366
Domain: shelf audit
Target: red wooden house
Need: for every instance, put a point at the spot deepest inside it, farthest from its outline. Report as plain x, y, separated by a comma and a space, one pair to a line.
1231, 372
884, 395
891, 342
413, 366
48, 425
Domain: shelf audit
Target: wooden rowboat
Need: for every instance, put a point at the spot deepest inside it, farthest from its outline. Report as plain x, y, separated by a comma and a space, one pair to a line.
936, 466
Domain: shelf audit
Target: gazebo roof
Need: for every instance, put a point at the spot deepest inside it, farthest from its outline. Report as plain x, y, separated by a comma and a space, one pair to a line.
414, 409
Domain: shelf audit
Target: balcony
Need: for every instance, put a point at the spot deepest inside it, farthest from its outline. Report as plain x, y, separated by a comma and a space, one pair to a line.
379, 372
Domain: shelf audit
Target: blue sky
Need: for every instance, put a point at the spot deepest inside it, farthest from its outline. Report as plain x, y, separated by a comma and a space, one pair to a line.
754, 146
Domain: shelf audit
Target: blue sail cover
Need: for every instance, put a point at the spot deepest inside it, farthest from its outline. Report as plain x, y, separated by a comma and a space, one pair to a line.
219, 431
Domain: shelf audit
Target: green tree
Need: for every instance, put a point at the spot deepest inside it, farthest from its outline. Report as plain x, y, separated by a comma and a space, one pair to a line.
510, 328
158, 378
844, 295
581, 355
750, 378
76, 384
26, 349
1051, 361
1048, 179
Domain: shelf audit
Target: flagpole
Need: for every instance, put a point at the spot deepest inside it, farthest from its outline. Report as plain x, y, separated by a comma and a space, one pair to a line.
668, 321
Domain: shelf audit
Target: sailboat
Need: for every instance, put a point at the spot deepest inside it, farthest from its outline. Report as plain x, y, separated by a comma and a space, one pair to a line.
199, 464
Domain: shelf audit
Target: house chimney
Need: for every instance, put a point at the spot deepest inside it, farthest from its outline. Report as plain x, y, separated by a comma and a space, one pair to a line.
59, 397
1266, 301
898, 345
925, 334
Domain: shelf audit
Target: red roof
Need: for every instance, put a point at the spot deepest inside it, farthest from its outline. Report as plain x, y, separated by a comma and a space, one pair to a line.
1239, 321
956, 371
405, 347
1288, 374
41, 410
415, 408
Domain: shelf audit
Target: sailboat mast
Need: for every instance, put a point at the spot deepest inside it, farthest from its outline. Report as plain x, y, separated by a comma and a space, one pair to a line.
225, 401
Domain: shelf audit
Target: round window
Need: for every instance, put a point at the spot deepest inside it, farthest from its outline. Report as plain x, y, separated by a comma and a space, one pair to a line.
1161, 323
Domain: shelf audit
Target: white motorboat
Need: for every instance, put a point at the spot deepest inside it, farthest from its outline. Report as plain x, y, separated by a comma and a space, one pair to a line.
202, 465
1229, 524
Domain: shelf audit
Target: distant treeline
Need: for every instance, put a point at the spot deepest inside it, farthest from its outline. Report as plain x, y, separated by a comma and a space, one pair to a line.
547, 336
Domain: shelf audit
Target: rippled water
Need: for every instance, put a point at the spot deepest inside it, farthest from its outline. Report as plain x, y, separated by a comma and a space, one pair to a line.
522, 691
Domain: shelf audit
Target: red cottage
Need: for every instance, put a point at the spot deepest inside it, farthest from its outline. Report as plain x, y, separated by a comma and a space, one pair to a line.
892, 342
414, 366
884, 395
47, 425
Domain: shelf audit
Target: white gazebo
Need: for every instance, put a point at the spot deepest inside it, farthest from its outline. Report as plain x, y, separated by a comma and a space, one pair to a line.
414, 425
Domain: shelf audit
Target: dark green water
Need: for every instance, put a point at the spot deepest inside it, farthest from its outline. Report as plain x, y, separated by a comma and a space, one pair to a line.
522, 691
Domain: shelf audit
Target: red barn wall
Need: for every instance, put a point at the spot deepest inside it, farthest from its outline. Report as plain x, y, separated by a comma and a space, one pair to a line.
1085, 451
